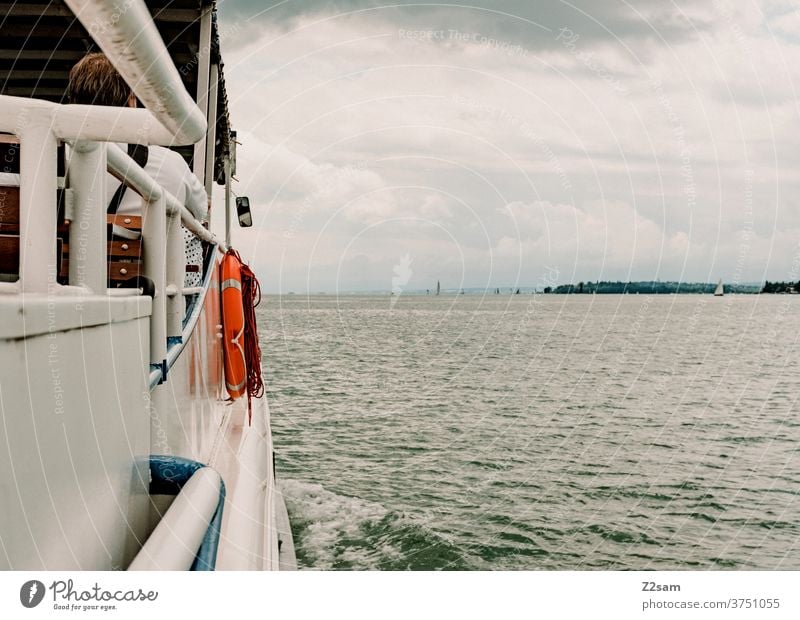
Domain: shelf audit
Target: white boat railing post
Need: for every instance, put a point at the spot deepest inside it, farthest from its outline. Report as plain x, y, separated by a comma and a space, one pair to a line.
211, 139
203, 65
87, 231
176, 261
123, 167
38, 265
154, 233
227, 166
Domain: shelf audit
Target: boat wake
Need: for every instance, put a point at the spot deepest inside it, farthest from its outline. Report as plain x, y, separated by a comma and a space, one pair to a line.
337, 532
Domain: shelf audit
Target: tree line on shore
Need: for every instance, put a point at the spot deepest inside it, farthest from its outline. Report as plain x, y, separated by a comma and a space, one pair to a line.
652, 288
781, 287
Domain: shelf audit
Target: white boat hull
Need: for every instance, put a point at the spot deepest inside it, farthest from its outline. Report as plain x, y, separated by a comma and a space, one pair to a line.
79, 423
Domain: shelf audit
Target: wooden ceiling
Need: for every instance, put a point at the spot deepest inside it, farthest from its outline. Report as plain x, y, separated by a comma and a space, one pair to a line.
41, 41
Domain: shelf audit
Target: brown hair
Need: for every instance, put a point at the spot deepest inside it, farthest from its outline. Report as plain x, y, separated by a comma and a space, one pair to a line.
94, 80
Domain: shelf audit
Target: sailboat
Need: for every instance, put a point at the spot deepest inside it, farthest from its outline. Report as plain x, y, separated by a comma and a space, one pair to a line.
720, 290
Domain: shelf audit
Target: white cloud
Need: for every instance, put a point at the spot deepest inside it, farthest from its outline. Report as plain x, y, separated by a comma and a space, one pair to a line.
643, 151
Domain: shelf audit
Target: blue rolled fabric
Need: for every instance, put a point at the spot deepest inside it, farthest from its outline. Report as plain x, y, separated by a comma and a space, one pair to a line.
168, 474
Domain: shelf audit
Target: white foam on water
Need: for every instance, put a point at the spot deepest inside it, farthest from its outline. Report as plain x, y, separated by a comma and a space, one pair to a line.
324, 518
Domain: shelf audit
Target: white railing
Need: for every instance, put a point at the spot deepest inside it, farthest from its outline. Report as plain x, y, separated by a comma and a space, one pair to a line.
88, 122
125, 169
164, 260
125, 32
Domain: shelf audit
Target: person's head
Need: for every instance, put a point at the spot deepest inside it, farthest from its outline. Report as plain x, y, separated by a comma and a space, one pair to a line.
95, 81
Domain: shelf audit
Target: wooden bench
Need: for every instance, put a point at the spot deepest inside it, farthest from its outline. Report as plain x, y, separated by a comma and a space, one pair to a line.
10, 233
123, 250
123, 255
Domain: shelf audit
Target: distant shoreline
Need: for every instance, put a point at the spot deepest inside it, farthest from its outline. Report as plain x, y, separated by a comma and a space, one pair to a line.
584, 288
652, 288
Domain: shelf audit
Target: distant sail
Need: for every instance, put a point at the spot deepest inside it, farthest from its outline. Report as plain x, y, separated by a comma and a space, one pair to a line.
720, 290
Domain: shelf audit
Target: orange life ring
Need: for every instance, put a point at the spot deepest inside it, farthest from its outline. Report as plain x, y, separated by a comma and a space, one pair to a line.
233, 326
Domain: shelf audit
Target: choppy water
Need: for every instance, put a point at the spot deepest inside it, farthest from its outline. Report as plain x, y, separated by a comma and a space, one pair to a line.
547, 432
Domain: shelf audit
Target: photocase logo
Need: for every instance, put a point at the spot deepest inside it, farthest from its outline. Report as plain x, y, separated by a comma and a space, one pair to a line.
31, 593
402, 274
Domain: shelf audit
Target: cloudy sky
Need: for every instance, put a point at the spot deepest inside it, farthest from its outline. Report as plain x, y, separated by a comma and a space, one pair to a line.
500, 143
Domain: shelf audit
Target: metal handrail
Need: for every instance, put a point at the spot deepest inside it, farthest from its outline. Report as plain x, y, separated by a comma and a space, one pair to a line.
125, 31
86, 122
131, 174
163, 252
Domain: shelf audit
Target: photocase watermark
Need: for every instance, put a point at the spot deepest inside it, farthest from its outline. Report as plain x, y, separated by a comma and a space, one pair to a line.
477, 38
67, 597
402, 274
225, 32
31, 593
322, 190
569, 40
102, 26
748, 229
525, 129
684, 152
724, 12
474, 38
546, 281
54, 363
774, 331
158, 435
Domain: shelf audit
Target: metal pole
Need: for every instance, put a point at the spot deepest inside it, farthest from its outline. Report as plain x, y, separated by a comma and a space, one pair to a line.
211, 140
154, 235
38, 266
203, 62
87, 233
176, 266
227, 201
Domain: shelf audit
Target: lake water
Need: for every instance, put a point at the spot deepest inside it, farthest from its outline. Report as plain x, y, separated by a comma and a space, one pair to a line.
537, 432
